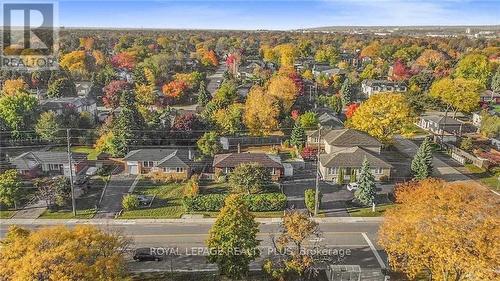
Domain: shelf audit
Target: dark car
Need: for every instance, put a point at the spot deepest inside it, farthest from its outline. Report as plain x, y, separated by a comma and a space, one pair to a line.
145, 254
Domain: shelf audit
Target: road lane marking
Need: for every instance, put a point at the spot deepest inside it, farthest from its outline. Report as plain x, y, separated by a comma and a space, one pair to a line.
379, 259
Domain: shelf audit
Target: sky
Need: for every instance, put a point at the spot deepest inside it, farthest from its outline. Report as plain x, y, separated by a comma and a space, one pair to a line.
280, 15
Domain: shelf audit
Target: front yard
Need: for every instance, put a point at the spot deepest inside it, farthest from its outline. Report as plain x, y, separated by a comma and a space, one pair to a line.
168, 200
367, 212
485, 177
85, 205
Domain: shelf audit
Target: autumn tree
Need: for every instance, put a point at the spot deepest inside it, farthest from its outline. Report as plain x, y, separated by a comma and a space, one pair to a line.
62, 87
421, 165
459, 94
209, 144
18, 111
123, 60
495, 81
13, 86
383, 116
430, 59
293, 259
308, 120
112, 93
351, 109
249, 178
187, 125
233, 238
77, 62
10, 188
284, 90
175, 89
490, 125
48, 126
261, 113
230, 120
62, 253
327, 54
334, 102
445, 231
372, 50
474, 67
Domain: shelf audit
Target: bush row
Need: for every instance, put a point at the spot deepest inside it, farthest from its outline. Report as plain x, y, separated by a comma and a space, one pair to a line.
256, 202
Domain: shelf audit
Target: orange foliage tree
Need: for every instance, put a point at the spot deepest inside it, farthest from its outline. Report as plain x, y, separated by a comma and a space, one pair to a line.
448, 231
174, 89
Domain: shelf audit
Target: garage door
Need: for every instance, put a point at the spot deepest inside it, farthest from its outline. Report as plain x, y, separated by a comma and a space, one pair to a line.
133, 169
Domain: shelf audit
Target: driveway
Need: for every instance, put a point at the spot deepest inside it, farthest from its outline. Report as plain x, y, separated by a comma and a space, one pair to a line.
111, 202
334, 196
444, 167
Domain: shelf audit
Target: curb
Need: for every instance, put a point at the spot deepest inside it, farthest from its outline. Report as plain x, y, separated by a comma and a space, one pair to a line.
173, 221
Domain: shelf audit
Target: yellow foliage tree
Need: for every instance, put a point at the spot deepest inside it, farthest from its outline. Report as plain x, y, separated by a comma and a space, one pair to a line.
261, 113
460, 94
449, 231
284, 90
87, 43
61, 253
74, 62
372, 50
287, 54
382, 116
13, 86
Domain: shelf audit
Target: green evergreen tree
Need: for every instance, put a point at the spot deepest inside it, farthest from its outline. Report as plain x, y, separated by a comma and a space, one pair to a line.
366, 185
234, 238
495, 81
346, 92
298, 137
203, 95
128, 121
353, 176
421, 165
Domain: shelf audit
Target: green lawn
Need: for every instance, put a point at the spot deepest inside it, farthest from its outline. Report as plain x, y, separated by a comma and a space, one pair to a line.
5, 214
367, 212
166, 204
91, 152
485, 177
271, 214
413, 130
85, 205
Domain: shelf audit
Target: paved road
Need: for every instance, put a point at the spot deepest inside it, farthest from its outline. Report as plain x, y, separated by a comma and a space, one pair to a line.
112, 199
356, 242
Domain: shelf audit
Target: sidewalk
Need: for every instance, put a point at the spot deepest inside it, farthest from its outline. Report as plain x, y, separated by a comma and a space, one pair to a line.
175, 221
32, 211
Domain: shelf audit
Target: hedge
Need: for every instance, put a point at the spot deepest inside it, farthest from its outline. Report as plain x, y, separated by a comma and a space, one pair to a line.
256, 202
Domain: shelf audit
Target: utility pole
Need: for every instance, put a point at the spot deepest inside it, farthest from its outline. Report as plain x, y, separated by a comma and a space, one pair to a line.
316, 195
73, 203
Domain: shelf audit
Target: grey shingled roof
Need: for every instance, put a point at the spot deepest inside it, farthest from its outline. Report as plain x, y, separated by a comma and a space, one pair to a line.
232, 160
442, 120
60, 103
45, 157
374, 82
165, 157
349, 138
353, 158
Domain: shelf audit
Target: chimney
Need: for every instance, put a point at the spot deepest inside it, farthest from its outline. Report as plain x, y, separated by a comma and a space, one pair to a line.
190, 154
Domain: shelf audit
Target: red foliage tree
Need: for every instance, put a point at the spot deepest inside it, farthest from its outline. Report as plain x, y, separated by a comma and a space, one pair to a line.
123, 60
111, 98
184, 125
309, 153
298, 82
174, 89
295, 114
351, 109
400, 71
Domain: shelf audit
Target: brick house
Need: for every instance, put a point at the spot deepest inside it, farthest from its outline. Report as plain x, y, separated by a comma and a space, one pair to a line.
176, 163
225, 163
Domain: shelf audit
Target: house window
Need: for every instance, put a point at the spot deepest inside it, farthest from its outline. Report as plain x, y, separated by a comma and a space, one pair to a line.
333, 171
55, 167
377, 171
148, 164
179, 170
273, 171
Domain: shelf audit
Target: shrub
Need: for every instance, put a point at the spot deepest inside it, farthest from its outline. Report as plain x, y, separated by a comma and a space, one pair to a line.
309, 153
192, 187
130, 202
384, 179
249, 178
310, 199
256, 202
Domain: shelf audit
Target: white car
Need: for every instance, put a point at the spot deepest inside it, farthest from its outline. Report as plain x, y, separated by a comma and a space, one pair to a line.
91, 171
352, 186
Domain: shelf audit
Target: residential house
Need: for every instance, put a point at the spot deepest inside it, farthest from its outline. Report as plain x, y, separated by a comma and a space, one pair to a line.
370, 87
489, 96
343, 164
439, 124
330, 121
36, 163
248, 69
80, 104
233, 143
225, 163
327, 70
83, 88
339, 140
176, 163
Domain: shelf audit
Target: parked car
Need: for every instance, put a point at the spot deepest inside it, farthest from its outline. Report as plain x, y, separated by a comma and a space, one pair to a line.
352, 186
91, 171
145, 254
